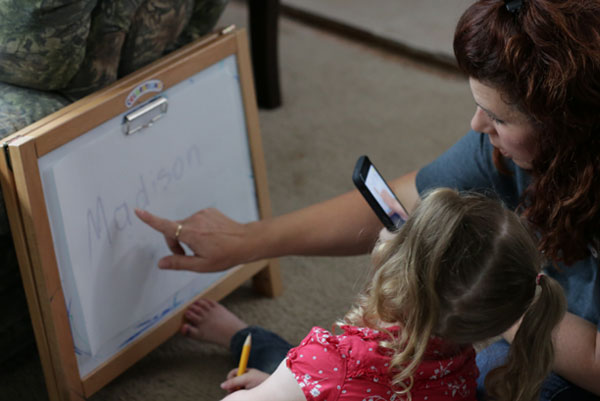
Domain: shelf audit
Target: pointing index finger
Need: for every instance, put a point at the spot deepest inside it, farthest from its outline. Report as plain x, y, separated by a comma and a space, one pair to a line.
165, 226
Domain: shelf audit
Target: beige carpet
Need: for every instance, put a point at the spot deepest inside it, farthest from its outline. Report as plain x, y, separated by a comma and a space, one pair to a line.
421, 26
340, 100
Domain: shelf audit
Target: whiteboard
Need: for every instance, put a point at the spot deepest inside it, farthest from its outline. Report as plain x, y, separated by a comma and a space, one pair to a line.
107, 258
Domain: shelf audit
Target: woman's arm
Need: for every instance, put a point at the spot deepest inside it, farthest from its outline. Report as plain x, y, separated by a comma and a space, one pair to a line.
344, 225
577, 351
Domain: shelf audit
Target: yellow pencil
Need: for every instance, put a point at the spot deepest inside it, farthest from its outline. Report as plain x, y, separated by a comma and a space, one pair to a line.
245, 355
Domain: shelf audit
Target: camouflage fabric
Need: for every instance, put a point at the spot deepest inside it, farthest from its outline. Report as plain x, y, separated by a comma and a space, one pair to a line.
20, 107
79, 46
42, 42
126, 35
145, 42
110, 24
204, 18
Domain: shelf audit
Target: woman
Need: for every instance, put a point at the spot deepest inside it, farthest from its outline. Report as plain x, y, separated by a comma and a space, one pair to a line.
534, 69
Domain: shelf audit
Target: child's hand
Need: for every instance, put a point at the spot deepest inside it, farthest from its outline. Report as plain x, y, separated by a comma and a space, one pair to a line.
248, 380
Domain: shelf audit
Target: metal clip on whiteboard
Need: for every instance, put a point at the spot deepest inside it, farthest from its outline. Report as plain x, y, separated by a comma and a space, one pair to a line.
227, 29
145, 116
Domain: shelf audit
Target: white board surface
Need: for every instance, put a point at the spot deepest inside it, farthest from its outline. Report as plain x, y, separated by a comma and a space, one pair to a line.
196, 156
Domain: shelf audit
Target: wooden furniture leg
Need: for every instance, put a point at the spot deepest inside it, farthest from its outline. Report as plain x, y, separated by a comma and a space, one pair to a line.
263, 22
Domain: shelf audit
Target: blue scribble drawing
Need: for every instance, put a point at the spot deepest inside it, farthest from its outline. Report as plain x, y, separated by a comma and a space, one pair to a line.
231, 65
76, 336
146, 324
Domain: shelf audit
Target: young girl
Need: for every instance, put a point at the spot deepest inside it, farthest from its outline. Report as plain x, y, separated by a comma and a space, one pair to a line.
461, 270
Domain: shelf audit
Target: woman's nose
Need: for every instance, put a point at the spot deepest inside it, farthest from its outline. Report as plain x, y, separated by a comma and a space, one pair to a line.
480, 122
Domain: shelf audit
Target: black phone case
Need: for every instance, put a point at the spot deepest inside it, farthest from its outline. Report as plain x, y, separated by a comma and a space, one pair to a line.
359, 177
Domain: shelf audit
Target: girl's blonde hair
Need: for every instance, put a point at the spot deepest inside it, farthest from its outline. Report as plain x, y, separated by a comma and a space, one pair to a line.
463, 268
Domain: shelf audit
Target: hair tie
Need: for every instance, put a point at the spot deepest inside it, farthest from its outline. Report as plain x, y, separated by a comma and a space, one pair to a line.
538, 278
513, 5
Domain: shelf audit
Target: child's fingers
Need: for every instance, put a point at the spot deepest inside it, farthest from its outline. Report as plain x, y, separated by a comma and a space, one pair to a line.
248, 380
235, 383
232, 373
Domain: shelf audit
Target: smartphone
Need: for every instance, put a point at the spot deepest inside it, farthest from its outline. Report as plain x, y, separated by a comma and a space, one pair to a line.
378, 194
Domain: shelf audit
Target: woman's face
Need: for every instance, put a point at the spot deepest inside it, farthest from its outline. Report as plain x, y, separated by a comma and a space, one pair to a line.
510, 131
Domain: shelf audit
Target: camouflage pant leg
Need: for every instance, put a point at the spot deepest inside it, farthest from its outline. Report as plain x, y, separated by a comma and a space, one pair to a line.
110, 23
157, 24
161, 26
128, 34
42, 43
205, 16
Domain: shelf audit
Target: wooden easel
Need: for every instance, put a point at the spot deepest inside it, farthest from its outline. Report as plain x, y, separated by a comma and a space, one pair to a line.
24, 198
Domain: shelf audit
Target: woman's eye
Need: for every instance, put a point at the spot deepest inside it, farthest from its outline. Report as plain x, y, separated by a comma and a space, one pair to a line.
494, 119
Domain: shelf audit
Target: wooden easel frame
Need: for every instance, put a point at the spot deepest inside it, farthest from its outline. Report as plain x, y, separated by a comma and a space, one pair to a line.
30, 227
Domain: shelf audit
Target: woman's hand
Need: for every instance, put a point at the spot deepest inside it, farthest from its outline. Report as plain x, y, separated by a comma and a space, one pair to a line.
248, 380
216, 241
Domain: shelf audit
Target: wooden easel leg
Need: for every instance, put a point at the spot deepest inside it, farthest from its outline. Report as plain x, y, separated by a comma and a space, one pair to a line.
268, 280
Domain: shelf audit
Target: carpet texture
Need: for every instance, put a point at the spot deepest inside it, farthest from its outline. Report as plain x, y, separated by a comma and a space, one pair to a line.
340, 100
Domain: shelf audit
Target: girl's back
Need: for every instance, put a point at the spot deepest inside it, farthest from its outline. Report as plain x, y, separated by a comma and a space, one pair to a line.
461, 270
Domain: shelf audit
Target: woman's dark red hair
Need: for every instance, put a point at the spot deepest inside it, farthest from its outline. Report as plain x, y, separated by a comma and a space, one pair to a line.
545, 60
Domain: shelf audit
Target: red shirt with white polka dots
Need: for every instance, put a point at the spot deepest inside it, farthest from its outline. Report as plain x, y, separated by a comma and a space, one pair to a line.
352, 366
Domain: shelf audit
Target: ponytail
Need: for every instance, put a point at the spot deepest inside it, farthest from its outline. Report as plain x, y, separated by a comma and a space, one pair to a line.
531, 354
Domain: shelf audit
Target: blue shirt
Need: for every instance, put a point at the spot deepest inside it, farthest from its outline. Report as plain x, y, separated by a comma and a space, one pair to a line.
468, 166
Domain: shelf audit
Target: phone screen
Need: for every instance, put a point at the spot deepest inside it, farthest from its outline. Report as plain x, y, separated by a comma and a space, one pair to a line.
384, 196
